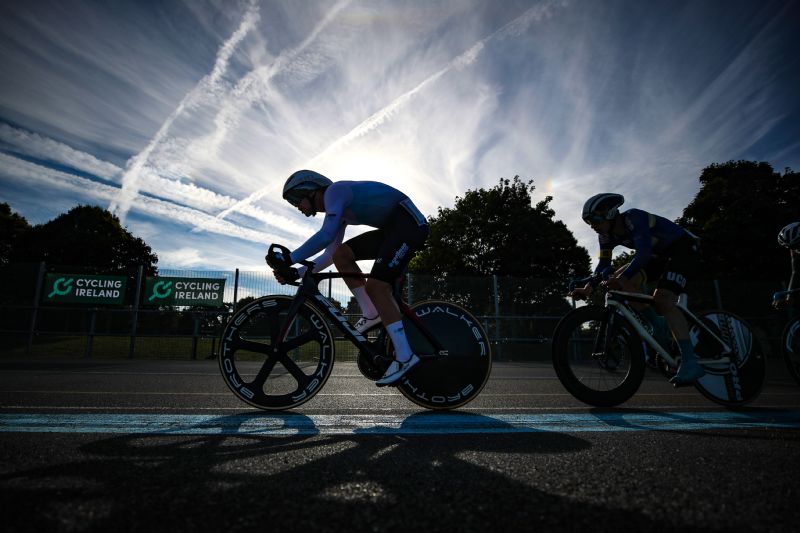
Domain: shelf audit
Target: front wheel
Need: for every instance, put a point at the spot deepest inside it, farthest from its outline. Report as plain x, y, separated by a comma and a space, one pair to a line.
739, 381
272, 365
791, 348
599, 361
451, 379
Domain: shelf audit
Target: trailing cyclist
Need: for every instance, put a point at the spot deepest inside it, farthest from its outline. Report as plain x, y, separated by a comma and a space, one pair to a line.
789, 237
664, 251
401, 232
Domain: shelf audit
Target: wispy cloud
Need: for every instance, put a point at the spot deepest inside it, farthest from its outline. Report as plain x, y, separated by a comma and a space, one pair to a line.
27, 173
463, 60
432, 97
45, 149
130, 179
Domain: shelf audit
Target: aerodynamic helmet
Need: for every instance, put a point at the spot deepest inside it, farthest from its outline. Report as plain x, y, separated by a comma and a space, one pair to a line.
301, 184
603, 206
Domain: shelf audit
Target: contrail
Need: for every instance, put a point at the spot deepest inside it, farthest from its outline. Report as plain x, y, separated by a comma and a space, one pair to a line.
130, 180
515, 27
255, 86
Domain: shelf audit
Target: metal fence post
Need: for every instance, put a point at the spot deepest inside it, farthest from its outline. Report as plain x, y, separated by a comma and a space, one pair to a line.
235, 290
497, 316
35, 313
135, 312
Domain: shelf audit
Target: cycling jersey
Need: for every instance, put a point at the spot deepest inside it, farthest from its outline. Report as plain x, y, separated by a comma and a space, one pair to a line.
650, 235
356, 203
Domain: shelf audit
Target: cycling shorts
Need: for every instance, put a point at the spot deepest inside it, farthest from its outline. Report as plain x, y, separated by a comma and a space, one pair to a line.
393, 245
673, 267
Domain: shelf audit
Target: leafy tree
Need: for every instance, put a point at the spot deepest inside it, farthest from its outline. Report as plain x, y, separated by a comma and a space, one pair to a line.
738, 211
499, 231
88, 239
12, 228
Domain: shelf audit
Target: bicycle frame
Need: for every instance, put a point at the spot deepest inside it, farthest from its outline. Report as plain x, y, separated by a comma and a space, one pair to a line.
308, 290
618, 300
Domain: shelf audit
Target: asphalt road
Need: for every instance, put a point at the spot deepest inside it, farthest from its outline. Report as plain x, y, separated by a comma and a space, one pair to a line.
138, 445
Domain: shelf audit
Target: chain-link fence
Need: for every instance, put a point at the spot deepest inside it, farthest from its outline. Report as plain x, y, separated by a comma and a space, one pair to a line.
518, 314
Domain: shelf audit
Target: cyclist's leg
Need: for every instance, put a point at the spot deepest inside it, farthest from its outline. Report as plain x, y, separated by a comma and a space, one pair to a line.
364, 246
404, 236
671, 283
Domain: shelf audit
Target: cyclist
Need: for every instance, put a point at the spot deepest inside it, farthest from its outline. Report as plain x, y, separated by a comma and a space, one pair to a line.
664, 251
401, 232
789, 237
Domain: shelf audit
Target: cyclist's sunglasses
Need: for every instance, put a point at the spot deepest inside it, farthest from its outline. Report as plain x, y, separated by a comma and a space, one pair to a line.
594, 218
296, 196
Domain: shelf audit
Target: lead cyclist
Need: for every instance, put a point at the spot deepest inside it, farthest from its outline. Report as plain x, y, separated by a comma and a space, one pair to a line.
401, 231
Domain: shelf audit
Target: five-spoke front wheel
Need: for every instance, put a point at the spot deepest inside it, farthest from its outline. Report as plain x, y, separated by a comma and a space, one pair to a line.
271, 364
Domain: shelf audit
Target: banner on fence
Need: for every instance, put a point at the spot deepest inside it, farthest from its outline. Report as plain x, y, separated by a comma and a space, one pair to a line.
184, 291
84, 288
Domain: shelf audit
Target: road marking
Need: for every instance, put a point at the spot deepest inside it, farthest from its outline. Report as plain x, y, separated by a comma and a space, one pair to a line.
283, 424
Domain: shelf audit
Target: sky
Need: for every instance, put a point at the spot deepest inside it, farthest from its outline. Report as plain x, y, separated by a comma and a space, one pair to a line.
185, 118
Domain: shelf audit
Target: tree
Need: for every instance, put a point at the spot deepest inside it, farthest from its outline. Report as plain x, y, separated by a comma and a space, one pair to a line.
88, 239
499, 231
738, 211
12, 228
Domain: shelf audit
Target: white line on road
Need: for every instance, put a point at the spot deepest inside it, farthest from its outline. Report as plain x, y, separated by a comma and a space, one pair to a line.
284, 424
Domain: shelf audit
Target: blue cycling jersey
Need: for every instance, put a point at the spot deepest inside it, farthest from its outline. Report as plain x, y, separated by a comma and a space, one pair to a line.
352, 202
650, 235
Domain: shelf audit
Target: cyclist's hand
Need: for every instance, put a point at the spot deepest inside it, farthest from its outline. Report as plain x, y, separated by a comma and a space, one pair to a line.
582, 293
287, 275
282, 268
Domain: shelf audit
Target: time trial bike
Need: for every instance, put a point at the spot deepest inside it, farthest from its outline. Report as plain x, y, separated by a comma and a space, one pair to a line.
277, 352
599, 352
790, 340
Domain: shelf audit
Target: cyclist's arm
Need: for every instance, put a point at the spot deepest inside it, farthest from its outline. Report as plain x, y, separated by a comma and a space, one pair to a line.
336, 199
604, 263
638, 224
325, 259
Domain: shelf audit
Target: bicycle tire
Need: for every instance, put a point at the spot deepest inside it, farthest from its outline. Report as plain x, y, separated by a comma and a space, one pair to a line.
590, 377
251, 355
740, 382
449, 381
790, 345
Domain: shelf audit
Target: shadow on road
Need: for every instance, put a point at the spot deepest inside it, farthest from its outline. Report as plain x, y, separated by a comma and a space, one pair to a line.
363, 482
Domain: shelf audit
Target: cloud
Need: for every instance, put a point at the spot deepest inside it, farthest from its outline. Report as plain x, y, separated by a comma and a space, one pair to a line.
431, 97
43, 148
378, 118
130, 179
14, 169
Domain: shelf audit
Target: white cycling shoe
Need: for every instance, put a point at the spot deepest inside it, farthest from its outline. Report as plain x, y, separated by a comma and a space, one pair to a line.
365, 324
396, 371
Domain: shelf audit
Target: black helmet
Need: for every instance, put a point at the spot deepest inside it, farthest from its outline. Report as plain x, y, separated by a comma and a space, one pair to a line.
790, 236
301, 184
603, 206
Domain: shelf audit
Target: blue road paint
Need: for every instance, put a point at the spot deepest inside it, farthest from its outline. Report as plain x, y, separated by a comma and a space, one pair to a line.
283, 424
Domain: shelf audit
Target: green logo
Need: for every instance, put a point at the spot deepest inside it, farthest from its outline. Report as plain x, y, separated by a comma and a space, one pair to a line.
61, 287
161, 290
